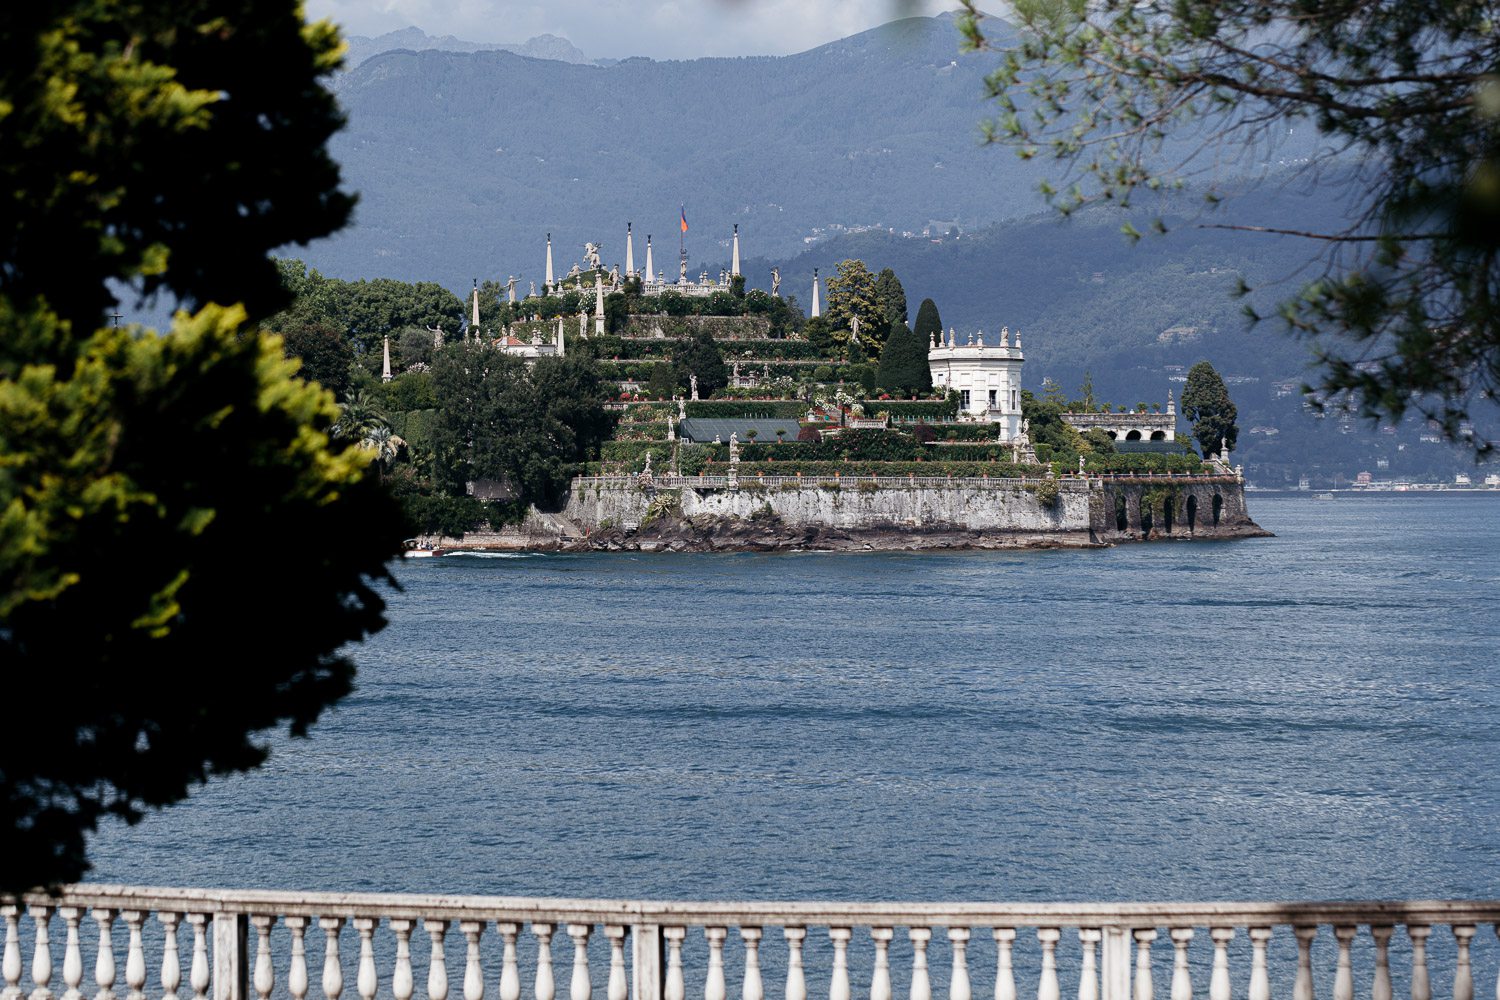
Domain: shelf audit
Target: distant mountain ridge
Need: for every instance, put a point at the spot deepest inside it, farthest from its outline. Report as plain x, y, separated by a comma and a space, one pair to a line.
363, 47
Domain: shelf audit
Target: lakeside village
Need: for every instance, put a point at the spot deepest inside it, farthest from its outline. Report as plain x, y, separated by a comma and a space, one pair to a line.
615, 408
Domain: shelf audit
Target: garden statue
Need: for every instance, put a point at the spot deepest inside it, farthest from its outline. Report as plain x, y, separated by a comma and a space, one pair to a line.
1080, 465
591, 251
1224, 450
646, 472
693, 383
734, 448
575, 270
681, 406
776, 282
510, 287
614, 276
683, 268
533, 291
854, 329
437, 336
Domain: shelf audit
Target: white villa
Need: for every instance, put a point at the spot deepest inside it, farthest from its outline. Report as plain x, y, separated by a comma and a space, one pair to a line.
987, 378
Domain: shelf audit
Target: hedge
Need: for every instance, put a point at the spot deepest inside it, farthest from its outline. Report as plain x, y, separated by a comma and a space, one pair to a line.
847, 470
964, 432
923, 409
734, 350
1143, 463
771, 409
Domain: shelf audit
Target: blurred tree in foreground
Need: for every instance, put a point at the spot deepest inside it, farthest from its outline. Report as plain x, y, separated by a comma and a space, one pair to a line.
183, 553
1406, 98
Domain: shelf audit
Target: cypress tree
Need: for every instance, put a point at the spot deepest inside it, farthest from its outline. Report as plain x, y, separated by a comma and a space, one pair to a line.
1205, 401
903, 363
928, 322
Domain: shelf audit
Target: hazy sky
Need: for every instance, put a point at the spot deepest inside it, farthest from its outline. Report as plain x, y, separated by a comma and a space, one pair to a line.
662, 29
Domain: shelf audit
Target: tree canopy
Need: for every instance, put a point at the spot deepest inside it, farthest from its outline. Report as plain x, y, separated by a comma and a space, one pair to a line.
929, 323
168, 503
1405, 98
852, 293
700, 355
903, 362
1206, 403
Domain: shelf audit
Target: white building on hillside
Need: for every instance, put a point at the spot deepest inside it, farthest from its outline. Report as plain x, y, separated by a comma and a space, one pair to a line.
987, 378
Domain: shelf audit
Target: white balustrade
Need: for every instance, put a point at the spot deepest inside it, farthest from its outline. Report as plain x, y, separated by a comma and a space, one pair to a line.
104, 962
958, 981
171, 965
796, 979
752, 989
10, 966
41, 956
880, 979
437, 964
72, 953
1107, 968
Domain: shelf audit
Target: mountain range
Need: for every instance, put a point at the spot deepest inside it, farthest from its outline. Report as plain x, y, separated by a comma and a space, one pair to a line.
363, 47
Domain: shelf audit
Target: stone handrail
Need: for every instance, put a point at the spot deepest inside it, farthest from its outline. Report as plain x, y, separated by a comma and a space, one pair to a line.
657, 930
892, 482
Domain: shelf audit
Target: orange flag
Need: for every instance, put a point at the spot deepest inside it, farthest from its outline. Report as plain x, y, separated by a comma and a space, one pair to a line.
684, 219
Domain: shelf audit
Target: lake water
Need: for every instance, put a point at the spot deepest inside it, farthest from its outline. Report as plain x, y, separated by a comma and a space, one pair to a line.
1311, 716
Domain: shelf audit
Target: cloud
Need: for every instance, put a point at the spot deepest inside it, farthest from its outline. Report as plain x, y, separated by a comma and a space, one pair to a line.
661, 29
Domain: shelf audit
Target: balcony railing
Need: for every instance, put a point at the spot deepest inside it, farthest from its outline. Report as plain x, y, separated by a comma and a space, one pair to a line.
1021, 953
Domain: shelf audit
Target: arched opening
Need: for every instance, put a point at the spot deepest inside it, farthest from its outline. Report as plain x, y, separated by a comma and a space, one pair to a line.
1147, 521
1112, 435
1122, 518
1218, 507
1158, 435
1167, 506
1192, 512
1133, 436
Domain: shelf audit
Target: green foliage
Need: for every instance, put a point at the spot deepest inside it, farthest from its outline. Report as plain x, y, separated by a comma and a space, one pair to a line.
903, 363
1046, 492
324, 353
1142, 463
852, 293
366, 311
700, 355
500, 419
785, 410
891, 298
1404, 315
819, 334
929, 323
146, 479
1205, 402
663, 383
848, 469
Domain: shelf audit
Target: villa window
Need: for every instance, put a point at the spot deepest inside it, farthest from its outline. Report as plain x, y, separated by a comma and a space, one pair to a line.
994, 393
965, 396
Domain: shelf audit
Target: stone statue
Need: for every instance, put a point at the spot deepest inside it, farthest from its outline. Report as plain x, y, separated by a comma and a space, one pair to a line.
681, 406
1224, 450
693, 382
614, 276
647, 470
437, 336
776, 282
736, 373
683, 276
591, 251
734, 448
510, 287
1080, 465
533, 291
575, 270
854, 329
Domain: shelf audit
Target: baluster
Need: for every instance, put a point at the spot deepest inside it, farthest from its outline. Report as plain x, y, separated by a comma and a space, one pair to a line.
437, 968
510, 970
1219, 987
1381, 989
1145, 988
1005, 977
796, 979
921, 982
582, 987
11, 966
753, 988
880, 979
104, 964
198, 973
366, 980
296, 976
473, 972
958, 983
41, 956
1046, 987
713, 983
546, 989
333, 969
1302, 985
72, 953
135, 955
171, 965
618, 986
1463, 970
1182, 978
1088, 977
1260, 979
1421, 986
265, 974
1343, 977
838, 982
675, 988
402, 984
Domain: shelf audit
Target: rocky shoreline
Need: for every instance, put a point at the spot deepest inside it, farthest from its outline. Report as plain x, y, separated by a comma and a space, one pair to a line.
706, 534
